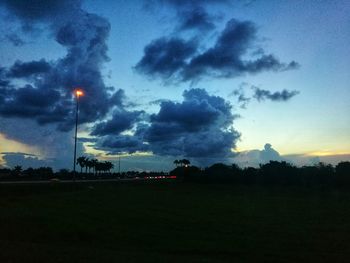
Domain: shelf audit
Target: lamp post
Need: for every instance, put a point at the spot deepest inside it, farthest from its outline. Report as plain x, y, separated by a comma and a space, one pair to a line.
77, 93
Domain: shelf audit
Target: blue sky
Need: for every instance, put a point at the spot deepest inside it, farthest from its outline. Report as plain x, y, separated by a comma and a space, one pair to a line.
285, 82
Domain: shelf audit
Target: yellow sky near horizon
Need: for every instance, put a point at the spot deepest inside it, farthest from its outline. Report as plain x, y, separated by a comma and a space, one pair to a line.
9, 145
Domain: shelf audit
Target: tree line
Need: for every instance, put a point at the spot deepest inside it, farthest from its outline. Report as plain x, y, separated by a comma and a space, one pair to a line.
94, 164
272, 173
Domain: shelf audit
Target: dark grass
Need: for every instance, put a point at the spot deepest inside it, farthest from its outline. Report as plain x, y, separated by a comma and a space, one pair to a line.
172, 222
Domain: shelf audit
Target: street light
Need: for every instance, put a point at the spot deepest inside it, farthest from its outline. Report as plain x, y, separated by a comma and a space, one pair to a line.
78, 93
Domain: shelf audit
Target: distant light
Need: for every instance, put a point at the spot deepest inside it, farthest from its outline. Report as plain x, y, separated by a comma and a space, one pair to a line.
79, 93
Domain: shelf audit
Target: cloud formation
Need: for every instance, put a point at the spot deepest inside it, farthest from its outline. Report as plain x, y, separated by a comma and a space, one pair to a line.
256, 157
116, 144
84, 36
242, 99
121, 120
284, 95
26, 69
25, 160
40, 10
196, 18
36, 97
200, 126
180, 60
165, 57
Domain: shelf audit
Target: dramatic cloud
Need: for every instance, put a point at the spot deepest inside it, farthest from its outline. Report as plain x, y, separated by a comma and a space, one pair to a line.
28, 102
200, 126
164, 57
121, 121
47, 97
49, 144
34, 94
177, 59
284, 95
122, 144
25, 69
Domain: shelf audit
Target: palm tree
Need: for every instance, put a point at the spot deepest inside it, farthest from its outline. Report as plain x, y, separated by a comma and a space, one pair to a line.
86, 163
176, 162
81, 161
94, 163
99, 167
89, 164
109, 166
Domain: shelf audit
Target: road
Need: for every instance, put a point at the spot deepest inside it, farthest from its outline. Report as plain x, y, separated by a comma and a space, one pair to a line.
71, 181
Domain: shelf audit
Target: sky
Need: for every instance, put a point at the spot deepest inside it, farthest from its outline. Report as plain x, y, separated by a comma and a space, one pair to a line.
233, 81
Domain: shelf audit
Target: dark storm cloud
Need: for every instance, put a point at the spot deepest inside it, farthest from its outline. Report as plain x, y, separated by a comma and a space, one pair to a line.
284, 95
121, 121
164, 57
115, 144
25, 69
84, 36
28, 102
37, 10
226, 59
196, 18
200, 126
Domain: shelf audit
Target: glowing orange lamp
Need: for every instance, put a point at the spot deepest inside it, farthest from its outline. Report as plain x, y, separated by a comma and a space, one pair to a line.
79, 92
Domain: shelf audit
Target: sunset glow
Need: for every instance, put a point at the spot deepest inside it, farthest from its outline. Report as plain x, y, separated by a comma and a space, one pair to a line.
211, 81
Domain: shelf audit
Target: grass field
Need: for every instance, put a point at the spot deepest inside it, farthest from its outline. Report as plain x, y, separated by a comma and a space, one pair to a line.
172, 222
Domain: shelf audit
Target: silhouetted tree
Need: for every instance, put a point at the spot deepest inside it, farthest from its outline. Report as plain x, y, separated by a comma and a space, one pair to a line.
89, 164
110, 166
17, 170
276, 172
81, 161
342, 173
86, 163
94, 163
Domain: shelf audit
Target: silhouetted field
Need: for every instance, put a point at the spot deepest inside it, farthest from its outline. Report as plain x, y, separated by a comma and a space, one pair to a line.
172, 222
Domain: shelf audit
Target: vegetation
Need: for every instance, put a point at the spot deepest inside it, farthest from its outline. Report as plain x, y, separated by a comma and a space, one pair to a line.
97, 166
272, 173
